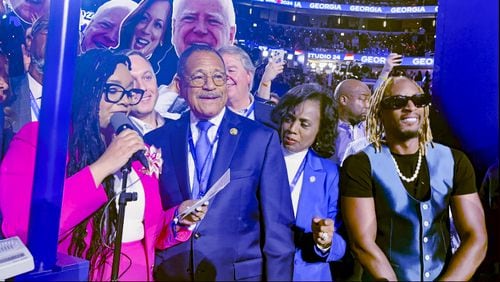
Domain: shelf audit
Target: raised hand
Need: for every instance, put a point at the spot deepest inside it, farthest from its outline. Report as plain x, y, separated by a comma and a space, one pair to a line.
272, 70
392, 60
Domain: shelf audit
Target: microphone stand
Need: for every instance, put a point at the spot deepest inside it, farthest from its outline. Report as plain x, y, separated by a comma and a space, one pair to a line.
122, 202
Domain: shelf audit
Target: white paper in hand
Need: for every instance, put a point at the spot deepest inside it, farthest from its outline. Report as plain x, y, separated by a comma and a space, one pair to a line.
220, 184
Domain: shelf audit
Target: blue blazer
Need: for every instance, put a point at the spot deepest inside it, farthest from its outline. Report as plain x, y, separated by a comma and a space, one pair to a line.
247, 231
263, 114
319, 197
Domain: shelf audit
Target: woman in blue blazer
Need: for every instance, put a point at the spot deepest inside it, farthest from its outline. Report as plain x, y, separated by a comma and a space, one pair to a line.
307, 129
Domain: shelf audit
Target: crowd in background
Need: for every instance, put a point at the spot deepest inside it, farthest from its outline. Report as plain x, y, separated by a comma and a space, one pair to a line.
334, 40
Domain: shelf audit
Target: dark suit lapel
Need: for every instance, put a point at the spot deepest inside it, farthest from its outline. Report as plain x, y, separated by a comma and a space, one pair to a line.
229, 134
263, 114
259, 110
179, 141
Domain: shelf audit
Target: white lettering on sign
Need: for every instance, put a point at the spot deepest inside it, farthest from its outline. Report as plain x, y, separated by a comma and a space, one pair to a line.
324, 6
369, 9
403, 10
323, 56
423, 61
373, 60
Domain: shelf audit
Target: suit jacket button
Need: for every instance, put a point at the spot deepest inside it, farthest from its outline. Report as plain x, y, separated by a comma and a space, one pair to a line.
197, 235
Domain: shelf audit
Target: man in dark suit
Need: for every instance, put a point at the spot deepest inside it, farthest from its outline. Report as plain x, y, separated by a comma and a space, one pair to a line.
246, 233
240, 74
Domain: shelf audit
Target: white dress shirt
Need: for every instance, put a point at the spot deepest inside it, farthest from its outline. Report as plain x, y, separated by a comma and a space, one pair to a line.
249, 111
166, 98
212, 134
144, 127
293, 162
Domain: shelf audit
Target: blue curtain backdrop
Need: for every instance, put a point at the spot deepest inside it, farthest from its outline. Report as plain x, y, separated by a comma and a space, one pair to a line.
466, 76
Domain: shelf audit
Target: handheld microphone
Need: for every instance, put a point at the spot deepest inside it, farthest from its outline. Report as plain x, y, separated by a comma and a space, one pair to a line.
120, 122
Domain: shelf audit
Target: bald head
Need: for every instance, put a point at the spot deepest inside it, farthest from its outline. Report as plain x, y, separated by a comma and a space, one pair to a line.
352, 97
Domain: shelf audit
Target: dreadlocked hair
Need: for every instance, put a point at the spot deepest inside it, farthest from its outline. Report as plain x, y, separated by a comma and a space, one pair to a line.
324, 141
86, 145
374, 127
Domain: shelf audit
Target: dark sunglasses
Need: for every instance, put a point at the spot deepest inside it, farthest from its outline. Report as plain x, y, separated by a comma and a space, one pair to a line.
399, 102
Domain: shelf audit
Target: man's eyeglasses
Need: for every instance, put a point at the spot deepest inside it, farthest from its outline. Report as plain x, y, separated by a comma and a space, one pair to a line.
114, 93
200, 79
399, 102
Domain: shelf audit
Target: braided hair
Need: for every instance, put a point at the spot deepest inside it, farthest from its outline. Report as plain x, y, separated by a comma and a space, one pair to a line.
86, 145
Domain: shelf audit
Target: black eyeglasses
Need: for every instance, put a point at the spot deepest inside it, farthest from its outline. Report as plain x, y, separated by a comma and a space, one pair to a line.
398, 102
115, 92
199, 79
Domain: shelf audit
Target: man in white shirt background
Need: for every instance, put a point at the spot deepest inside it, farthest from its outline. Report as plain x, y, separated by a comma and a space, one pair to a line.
240, 74
143, 115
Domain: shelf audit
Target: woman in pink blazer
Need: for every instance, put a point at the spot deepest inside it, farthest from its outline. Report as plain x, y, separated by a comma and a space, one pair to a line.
103, 86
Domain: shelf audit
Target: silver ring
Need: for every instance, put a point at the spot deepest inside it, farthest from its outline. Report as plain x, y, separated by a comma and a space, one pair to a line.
323, 236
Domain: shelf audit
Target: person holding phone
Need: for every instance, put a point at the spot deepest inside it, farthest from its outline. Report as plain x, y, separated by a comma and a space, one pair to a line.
392, 60
240, 73
275, 66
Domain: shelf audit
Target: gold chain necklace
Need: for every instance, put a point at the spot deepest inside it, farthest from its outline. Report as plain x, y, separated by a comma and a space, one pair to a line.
417, 170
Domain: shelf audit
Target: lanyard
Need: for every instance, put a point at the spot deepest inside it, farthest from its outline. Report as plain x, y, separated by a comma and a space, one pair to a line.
250, 110
299, 172
199, 170
34, 106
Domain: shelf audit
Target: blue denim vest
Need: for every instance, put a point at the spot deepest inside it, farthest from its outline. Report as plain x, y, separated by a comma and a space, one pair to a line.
414, 235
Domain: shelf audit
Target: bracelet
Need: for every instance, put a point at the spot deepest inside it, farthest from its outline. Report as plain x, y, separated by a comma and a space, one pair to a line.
264, 84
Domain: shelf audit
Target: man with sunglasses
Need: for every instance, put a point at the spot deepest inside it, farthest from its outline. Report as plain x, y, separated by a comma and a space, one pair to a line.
397, 192
246, 233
